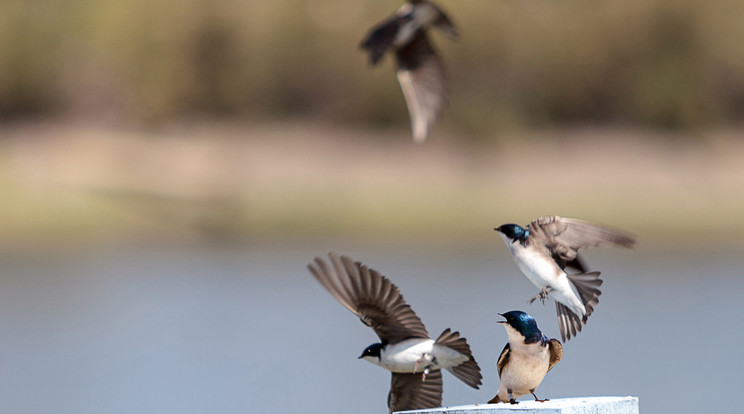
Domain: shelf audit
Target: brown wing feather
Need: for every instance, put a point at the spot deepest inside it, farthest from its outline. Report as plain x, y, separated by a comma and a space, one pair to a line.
412, 392
568, 322
563, 237
556, 352
503, 359
372, 297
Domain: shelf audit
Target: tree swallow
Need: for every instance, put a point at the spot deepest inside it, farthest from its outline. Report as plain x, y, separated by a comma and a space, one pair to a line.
546, 248
526, 358
420, 71
406, 350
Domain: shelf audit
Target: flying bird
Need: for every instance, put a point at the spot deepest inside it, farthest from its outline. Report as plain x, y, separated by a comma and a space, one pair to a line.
405, 348
546, 248
419, 69
526, 358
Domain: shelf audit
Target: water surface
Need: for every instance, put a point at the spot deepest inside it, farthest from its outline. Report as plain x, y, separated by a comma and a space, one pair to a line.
243, 329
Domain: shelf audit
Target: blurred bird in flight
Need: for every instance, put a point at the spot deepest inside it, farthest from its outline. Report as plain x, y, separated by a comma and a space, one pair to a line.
419, 69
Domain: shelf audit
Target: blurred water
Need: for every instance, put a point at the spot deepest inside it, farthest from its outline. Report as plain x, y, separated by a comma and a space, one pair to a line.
245, 329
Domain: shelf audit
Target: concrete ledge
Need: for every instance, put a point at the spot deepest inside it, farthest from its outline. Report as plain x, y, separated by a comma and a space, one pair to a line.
587, 405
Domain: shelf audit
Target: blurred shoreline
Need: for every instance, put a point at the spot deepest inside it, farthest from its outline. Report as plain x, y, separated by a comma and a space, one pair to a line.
78, 183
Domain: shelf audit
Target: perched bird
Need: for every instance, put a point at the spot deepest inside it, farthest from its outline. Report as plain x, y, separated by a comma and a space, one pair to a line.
420, 71
406, 350
526, 358
546, 248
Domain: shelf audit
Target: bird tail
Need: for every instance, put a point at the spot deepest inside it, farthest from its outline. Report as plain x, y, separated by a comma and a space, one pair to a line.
469, 371
495, 400
587, 285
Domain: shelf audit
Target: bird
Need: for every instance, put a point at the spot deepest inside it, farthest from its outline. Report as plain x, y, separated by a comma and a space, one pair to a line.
419, 69
526, 358
405, 348
546, 248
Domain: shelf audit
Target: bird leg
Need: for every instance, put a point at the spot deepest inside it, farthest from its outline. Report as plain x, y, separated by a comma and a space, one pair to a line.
543, 295
537, 399
512, 401
426, 357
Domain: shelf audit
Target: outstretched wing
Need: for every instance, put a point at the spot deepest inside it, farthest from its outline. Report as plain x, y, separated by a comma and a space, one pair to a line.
563, 237
372, 297
444, 24
413, 392
423, 81
380, 38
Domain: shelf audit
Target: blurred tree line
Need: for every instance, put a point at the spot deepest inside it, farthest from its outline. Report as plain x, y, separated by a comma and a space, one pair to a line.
657, 63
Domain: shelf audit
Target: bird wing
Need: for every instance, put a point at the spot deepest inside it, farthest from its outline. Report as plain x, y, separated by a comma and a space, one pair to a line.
556, 352
444, 24
380, 38
372, 297
563, 237
413, 392
577, 263
423, 81
503, 359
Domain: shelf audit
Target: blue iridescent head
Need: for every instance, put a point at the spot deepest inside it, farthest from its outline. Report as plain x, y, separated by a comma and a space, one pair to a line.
372, 351
513, 232
524, 324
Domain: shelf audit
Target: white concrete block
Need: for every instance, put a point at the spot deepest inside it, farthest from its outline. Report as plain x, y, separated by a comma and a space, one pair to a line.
587, 405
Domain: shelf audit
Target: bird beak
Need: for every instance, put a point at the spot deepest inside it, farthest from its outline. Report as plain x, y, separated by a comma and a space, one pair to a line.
360, 356
497, 229
501, 314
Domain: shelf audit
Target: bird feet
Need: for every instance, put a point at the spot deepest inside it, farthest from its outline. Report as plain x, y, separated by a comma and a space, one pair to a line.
513, 402
543, 295
537, 399
425, 358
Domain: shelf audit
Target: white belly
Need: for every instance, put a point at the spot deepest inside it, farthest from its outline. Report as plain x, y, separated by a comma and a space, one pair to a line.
417, 354
525, 370
544, 272
540, 270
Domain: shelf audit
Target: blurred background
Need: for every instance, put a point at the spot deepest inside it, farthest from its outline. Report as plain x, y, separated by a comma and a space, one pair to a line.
169, 168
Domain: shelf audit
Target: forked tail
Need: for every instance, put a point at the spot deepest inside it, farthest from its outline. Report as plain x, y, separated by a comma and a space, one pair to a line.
469, 371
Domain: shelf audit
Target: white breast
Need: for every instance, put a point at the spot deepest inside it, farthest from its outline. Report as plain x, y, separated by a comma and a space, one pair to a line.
543, 271
525, 370
540, 270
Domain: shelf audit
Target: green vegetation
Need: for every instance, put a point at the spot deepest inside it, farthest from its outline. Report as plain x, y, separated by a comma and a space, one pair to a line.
659, 63
71, 184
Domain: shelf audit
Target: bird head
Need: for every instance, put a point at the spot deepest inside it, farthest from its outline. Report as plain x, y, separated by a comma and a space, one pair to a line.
372, 353
512, 232
521, 326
